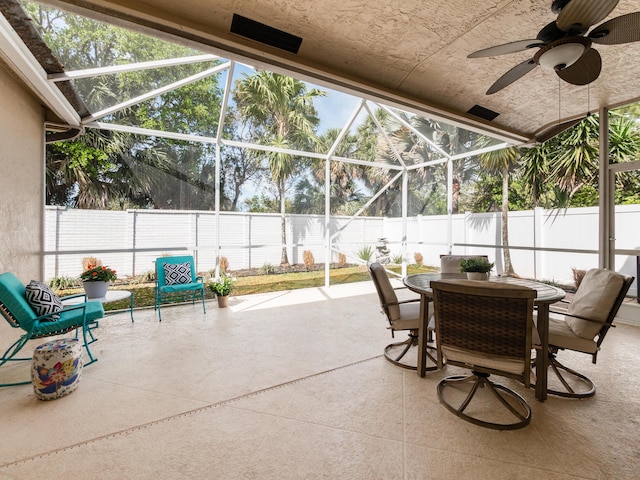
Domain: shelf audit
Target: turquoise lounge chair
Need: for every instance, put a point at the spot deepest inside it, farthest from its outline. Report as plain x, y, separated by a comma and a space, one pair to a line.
176, 281
16, 310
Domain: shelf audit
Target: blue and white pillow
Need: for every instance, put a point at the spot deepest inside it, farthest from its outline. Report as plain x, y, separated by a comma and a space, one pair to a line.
43, 300
177, 273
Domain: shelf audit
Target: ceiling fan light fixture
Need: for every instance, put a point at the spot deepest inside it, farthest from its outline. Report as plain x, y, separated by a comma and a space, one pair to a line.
562, 56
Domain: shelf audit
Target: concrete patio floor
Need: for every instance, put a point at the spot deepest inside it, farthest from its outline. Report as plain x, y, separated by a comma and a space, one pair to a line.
292, 385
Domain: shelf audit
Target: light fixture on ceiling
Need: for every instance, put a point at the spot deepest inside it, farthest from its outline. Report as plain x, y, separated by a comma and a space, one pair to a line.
562, 53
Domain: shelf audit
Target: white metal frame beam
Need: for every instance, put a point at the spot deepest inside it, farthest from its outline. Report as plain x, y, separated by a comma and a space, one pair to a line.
15, 53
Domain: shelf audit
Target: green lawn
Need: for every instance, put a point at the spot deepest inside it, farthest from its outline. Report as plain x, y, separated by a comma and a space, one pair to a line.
143, 292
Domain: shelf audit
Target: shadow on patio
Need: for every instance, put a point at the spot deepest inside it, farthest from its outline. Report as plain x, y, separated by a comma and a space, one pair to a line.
294, 385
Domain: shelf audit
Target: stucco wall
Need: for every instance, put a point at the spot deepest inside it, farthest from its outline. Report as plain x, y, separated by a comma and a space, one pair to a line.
21, 180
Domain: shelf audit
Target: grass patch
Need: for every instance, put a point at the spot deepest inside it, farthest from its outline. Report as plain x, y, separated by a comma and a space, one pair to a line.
143, 292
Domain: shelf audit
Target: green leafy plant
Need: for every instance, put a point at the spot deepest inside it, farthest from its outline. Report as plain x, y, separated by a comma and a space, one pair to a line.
397, 258
222, 286
98, 273
267, 269
475, 265
365, 253
61, 283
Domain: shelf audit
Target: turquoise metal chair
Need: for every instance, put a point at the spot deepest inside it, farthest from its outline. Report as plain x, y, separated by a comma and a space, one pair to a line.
176, 281
18, 313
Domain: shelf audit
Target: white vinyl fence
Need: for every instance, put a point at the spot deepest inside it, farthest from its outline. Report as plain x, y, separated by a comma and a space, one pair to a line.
545, 244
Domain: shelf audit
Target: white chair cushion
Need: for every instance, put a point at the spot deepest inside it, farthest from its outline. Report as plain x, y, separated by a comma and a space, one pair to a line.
594, 299
410, 317
517, 367
562, 336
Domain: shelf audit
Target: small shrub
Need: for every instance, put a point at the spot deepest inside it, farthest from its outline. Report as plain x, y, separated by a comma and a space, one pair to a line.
308, 259
61, 283
397, 259
365, 253
267, 269
90, 262
224, 265
342, 259
578, 275
418, 258
147, 277
222, 286
475, 264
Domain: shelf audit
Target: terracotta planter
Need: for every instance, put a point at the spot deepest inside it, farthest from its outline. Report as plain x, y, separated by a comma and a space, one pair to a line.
95, 289
223, 301
477, 276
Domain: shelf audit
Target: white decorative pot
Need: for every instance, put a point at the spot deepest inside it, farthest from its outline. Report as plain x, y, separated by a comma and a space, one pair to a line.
95, 289
477, 276
56, 368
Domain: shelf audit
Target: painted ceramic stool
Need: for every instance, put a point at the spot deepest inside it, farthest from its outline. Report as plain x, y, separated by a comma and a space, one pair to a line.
56, 368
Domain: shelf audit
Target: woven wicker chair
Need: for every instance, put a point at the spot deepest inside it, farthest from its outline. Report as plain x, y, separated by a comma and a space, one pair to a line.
485, 327
402, 315
582, 327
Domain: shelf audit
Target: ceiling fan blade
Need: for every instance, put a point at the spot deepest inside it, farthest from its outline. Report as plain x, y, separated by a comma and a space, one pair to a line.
622, 29
550, 33
505, 48
512, 75
584, 71
581, 14
557, 129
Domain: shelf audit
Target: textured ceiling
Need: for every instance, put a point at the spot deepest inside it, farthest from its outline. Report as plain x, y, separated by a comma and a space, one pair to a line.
412, 52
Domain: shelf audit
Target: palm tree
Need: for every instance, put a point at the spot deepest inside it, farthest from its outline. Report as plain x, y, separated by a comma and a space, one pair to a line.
570, 162
283, 107
501, 161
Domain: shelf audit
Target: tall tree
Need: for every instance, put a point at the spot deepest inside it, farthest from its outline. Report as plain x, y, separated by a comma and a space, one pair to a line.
136, 171
502, 161
284, 108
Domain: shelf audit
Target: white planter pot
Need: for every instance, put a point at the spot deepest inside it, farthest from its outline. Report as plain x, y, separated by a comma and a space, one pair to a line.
477, 276
95, 289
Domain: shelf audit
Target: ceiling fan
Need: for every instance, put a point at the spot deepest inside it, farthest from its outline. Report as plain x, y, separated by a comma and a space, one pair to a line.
564, 45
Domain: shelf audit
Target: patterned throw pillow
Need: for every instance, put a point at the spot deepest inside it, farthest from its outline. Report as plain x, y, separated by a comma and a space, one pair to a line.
177, 273
42, 299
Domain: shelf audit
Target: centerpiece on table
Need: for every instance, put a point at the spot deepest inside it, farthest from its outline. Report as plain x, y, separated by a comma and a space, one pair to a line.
476, 268
222, 287
95, 280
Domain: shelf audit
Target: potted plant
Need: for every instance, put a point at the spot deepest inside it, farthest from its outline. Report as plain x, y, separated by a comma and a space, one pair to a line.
222, 287
476, 268
95, 280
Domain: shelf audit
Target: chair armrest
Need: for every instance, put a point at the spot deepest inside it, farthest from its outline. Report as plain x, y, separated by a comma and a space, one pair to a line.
47, 316
75, 295
402, 302
563, 312
200, 279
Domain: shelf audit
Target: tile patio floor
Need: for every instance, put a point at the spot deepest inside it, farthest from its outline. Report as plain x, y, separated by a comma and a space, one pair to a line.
292, 385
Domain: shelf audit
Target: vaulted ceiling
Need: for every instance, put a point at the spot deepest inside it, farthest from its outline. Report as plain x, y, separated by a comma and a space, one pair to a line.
413, 53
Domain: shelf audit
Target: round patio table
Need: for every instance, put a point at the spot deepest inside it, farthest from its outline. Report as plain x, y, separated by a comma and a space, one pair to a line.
546, 295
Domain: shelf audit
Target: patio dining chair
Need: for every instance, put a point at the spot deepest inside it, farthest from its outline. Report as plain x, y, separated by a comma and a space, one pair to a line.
487, 328
402, 315
19, 313
176, 281
583, 326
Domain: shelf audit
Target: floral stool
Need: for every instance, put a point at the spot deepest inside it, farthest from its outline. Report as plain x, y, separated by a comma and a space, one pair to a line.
56, 368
